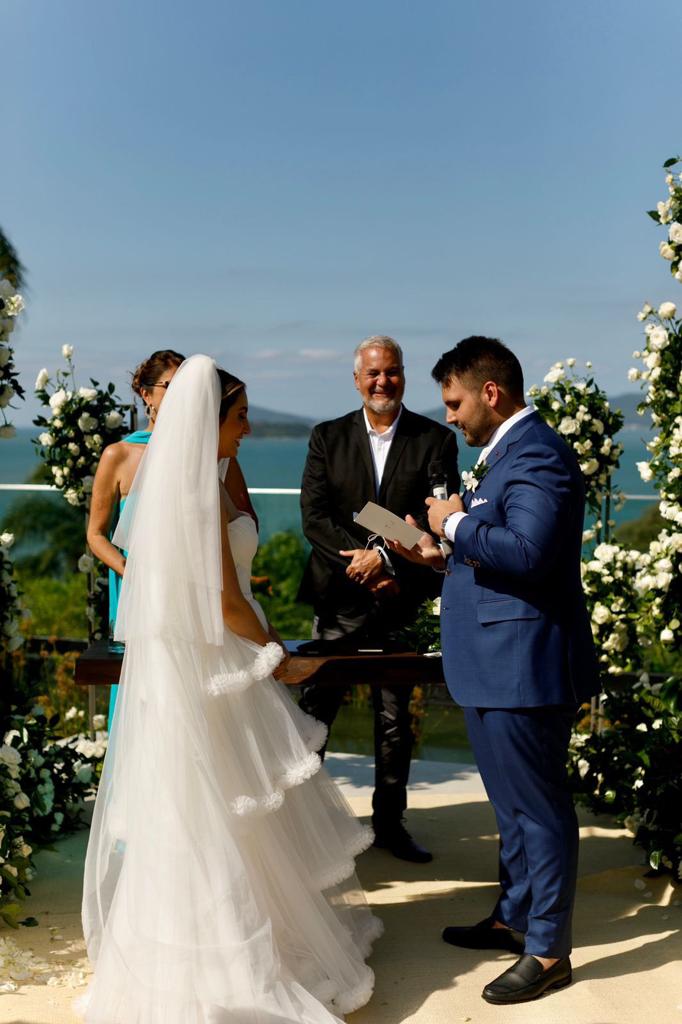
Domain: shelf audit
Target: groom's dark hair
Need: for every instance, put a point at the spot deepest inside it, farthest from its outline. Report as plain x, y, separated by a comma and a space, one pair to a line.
481, 359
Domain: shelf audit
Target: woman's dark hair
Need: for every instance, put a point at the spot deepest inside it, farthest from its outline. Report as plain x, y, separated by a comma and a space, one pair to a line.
481, 359
231, 388
151, 370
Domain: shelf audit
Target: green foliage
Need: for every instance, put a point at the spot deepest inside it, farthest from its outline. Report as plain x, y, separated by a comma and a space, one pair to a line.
639, 533
48, 534
56, 607
632, 767
277, 571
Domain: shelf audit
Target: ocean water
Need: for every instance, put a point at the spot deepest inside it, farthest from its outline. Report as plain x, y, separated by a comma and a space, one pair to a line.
278, 462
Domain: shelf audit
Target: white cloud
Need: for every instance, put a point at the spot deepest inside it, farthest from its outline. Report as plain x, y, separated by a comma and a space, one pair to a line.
321, 354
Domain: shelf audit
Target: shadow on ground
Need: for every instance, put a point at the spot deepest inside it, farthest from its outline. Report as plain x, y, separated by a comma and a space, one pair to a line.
412, 962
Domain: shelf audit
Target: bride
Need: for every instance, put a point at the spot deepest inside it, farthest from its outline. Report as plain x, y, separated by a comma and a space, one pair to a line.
219, 880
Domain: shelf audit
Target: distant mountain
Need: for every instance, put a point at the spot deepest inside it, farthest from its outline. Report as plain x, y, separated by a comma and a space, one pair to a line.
269, 423
260, 415
627, 403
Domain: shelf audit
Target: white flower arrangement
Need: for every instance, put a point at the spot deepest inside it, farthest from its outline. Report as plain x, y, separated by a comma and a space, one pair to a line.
43, 785
580, 412
79, 423
11, 305
609, 585
10, 606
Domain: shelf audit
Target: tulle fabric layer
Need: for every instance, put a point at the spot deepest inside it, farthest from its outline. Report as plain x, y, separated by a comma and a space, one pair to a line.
219, 884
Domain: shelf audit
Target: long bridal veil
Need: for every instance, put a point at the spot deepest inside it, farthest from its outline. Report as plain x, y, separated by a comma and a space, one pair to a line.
219, 881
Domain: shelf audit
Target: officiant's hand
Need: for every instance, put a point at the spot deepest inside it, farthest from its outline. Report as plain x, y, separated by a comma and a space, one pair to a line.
366, 566
438, 510
425, 551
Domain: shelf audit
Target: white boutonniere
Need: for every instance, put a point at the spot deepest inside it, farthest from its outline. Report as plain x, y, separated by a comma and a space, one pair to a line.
472, 479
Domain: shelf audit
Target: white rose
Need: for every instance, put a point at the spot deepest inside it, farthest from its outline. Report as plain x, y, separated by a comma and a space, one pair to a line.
73, 448
113, 420
645, 471
652, 359
554, 375
9, 755
570, 361
14, 305
601, 614
87, 393
589, 467
47, 440
86, 422
666, 250
85, 564
57, 400
6, 539
675, 233
21, 801
100, 721
568, 425
666, 636
71, 496
83, 773
598, 426
667, 310
42, 379
633, 373
67, 351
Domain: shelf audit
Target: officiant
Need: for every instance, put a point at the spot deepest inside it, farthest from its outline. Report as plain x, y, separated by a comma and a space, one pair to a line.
381, 452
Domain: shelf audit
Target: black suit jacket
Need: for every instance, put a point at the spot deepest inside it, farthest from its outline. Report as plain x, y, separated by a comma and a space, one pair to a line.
338, 480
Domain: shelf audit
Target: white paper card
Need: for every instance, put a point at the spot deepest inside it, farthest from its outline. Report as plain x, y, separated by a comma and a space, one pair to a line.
379, 520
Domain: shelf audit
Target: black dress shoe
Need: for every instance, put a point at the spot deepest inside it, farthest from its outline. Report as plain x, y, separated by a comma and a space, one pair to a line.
484, 936
400, 843
527, 979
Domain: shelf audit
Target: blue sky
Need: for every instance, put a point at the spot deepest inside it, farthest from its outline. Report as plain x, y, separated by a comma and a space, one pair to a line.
270, 182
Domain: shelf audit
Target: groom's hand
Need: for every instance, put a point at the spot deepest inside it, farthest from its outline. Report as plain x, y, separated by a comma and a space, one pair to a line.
425, 551
438, 510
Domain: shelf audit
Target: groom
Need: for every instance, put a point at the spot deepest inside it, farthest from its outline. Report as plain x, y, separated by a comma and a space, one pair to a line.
517, 652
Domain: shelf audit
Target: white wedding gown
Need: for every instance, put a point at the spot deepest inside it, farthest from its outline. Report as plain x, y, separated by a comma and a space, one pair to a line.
220, 884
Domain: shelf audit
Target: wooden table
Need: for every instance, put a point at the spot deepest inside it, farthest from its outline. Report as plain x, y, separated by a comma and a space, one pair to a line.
99, 666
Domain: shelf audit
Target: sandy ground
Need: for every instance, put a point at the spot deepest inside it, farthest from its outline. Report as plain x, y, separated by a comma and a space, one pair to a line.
627, 960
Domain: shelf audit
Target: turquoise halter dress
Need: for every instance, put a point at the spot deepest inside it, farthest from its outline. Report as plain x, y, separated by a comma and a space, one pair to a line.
138, 437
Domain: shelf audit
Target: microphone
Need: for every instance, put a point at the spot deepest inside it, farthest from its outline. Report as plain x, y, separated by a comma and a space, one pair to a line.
439, 490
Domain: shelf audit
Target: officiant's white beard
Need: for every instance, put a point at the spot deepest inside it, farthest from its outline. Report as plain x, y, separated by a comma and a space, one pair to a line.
383, 405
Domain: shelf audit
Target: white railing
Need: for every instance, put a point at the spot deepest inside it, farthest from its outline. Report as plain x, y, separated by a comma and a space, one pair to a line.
262, 490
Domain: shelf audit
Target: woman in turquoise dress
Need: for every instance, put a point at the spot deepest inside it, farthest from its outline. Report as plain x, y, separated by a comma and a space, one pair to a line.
115, 473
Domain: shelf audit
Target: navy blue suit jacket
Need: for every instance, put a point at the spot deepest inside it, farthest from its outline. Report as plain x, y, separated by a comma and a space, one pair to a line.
514, 625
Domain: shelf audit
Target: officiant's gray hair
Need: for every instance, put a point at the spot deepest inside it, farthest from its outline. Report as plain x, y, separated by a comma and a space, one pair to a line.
377, 341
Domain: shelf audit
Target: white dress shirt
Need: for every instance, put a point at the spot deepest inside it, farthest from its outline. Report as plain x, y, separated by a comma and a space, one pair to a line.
380, 445
455, 519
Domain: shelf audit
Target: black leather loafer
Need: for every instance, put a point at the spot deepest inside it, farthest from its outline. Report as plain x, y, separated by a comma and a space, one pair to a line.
484, 936
527, 980
400, 843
